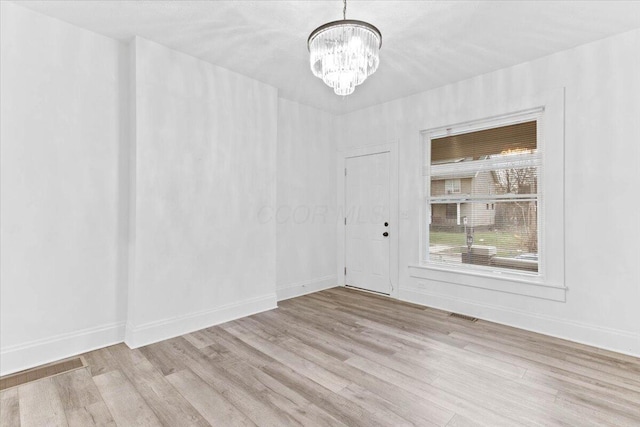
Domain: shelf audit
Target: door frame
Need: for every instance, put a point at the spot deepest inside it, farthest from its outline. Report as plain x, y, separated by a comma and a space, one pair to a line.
394, 217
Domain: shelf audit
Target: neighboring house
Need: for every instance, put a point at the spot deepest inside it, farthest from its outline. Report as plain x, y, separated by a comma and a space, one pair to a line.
453, 214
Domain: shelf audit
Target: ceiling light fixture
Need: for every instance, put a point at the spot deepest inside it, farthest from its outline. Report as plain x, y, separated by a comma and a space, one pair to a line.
344, 53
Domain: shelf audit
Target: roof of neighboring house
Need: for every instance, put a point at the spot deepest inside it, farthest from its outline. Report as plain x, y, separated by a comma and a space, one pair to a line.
454, 176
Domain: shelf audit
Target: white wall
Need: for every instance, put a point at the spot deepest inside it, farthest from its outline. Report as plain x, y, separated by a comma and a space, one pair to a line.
199, 169
306, 202
602, 154
61, 289
205, 174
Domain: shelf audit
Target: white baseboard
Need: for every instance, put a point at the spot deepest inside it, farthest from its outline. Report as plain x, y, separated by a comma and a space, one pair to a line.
606, 338
309, 286
152, 332
34, 353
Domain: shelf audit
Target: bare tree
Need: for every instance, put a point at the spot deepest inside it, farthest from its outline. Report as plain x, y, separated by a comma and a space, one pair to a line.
520, 214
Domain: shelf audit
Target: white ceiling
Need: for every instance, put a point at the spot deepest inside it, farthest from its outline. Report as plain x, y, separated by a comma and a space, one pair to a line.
426, 44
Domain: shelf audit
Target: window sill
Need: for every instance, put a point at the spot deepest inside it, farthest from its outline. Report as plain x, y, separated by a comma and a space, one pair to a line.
501, 282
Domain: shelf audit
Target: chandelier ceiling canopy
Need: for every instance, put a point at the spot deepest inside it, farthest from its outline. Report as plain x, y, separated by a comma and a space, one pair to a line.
344, 53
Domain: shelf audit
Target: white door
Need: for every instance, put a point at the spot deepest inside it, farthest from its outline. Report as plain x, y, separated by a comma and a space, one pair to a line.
367, 222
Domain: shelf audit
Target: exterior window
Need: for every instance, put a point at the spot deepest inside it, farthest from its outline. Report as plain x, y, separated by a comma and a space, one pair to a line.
452, 211
452, 186
489, 178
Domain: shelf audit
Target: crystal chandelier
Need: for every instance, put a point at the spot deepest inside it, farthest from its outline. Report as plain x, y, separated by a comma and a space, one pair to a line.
344, 53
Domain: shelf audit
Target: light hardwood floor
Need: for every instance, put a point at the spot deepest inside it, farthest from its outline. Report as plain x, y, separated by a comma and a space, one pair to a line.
340, 358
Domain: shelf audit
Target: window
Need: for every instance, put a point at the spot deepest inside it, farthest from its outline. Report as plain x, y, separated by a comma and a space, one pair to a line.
499, 167
442, 257
452, 211
452, 186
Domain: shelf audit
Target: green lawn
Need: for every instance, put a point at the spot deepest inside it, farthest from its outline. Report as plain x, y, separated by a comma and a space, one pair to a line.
507, 243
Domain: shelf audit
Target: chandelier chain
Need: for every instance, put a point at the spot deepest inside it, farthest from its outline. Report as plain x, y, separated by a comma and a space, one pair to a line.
344, 10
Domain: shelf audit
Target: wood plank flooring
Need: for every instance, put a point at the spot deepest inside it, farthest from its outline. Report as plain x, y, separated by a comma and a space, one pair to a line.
340, 358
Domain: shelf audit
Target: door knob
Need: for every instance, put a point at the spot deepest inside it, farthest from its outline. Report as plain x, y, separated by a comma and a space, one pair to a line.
386, 224
385, 234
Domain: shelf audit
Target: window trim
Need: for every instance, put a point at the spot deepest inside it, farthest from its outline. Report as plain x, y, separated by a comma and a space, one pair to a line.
553, 183
513, 118
504, 282
532, 114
